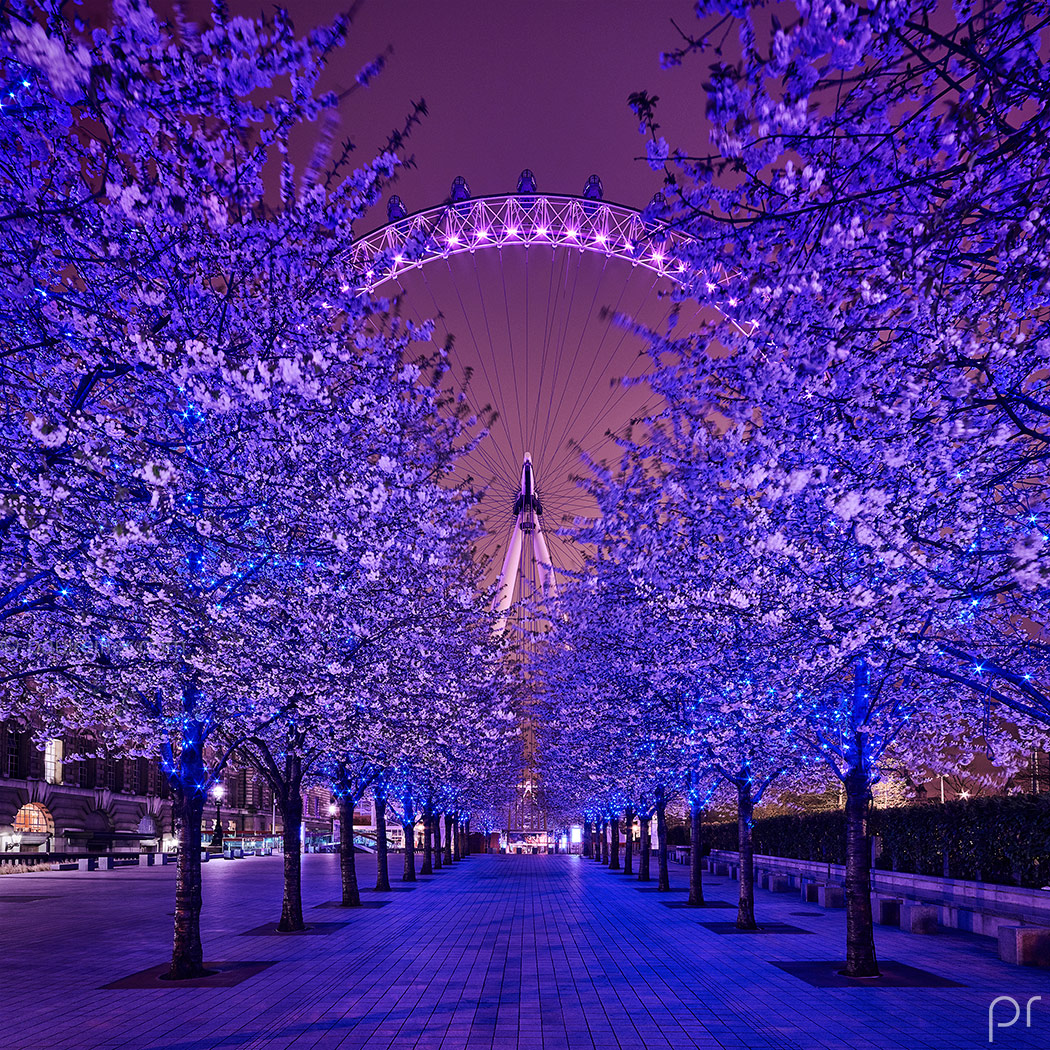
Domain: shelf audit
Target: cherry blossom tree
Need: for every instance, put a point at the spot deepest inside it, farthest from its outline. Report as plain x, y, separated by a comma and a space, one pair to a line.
197, 420
866, 400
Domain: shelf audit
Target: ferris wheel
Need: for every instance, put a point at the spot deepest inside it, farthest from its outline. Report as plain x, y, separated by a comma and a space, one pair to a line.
527, 288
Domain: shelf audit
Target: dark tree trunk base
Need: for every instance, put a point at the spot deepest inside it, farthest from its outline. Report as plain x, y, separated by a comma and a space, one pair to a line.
187, 956
382, 855
696, 878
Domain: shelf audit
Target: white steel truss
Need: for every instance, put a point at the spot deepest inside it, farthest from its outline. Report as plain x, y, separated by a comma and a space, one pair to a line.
521, 221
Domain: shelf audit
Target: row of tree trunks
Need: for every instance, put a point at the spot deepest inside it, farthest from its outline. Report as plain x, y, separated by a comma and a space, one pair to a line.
601, 842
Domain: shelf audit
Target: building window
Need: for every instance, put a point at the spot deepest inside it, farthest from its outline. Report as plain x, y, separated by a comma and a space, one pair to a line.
53, 761
33, 819
12, 763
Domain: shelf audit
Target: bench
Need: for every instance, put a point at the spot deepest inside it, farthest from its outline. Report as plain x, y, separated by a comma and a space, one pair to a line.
1025, 945
919, 918
830, 895
888, 911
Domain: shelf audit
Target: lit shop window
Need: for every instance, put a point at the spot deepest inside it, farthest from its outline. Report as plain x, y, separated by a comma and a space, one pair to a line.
33, 819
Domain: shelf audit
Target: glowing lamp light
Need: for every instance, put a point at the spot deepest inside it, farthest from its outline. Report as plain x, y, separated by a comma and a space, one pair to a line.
542, 231
571, 234
217, 792
453, 238
576, 834
601, 238
332, 810
512, 232
399, 259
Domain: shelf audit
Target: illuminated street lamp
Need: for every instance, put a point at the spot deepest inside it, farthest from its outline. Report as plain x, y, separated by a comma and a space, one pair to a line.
332, 810
216, 839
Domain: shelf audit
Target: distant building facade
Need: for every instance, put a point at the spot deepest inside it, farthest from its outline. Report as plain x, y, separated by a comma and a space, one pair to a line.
52, 804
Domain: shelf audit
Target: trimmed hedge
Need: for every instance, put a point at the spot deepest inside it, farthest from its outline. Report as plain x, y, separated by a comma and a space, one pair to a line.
1003, 839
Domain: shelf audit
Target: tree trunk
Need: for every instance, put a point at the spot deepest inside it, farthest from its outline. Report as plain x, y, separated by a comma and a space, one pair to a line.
292, 815
456, 853
408, 826
696, 827
664, 881
435, 830
348, 853
586, 838
466, 837
187, 955
599, 853
382, 857
614, 858
643, 860
427, 867
628, 844
745, 916
448, 838
860, 935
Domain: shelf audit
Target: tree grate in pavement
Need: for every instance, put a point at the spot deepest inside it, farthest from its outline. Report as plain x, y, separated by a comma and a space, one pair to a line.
702, 904
765, 927
313, 929
352, 907
825, 974
223, 975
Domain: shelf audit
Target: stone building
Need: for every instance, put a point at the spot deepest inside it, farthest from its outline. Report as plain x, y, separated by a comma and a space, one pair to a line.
50, 803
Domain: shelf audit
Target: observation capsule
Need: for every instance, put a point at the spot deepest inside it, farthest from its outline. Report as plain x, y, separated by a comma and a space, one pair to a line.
395, 209
460, 191
592, 192
526, 189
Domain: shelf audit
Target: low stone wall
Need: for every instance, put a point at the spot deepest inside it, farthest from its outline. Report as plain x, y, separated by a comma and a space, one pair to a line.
980, 907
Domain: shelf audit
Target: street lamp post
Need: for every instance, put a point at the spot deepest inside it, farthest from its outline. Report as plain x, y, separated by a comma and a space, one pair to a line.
216, 839
332, 810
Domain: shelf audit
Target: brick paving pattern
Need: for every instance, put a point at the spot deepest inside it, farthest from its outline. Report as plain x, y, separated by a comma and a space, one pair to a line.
530, 953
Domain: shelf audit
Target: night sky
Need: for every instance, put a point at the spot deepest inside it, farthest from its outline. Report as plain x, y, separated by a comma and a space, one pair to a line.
541, 85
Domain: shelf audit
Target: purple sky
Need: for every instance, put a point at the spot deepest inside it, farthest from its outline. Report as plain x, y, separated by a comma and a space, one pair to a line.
542, 85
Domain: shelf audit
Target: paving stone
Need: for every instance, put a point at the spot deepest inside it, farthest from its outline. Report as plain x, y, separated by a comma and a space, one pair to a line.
500, 953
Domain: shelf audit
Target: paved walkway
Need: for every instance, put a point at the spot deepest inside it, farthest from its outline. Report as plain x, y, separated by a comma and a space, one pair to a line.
536, 953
